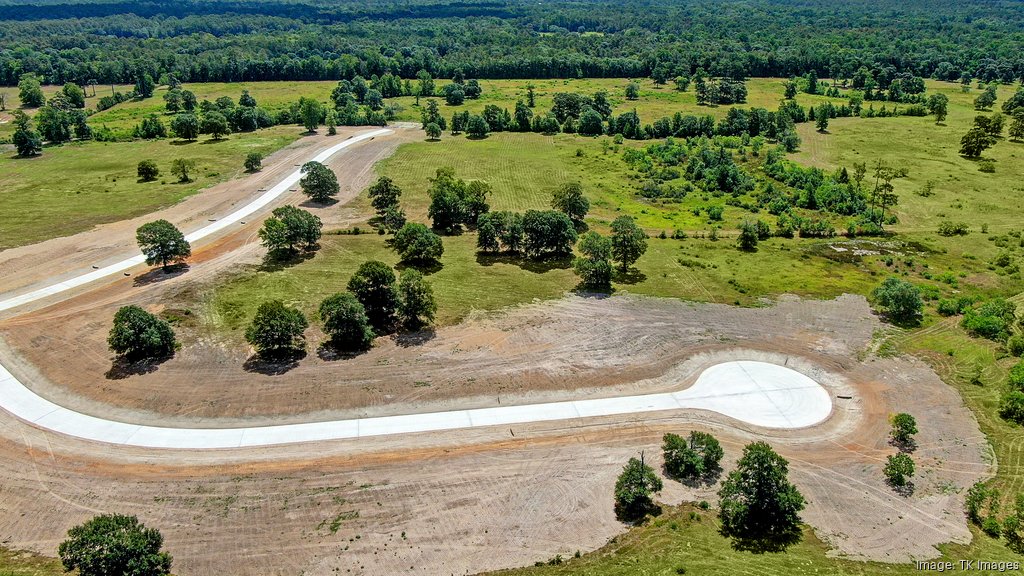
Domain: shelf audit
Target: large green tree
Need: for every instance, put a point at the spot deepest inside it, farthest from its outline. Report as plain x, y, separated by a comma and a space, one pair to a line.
374, 286
629, 242
318, 182
417, 244
26, 140
290, 229
30, 91
900, 300
416, 307
759, 508
547, 233
185, 126
346, 323
276, 331
114, 545
692, 457
594, 266
162, 243
569, 198
633, 490
138, 334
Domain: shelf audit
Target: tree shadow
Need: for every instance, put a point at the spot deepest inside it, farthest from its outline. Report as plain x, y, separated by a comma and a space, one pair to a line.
410, 339
180, 142
273, 365
905, 447
637, 513
708, 478
277, 260
537, 266
329, 352
630, 276
160, 274
906, 490
593, 292
772, 543
425, 268
122, 367
310, 203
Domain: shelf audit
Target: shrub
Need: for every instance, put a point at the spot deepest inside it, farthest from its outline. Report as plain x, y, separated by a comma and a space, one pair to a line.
253, 162
147, 170
953, 306
1016, 378
1011, 406
948, 228
418, 244
633, 490
898, 468
900, 299
276, 330
1015, 345
904, 426
139, 334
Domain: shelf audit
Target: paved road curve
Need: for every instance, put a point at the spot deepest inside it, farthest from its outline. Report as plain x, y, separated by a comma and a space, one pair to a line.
758, 393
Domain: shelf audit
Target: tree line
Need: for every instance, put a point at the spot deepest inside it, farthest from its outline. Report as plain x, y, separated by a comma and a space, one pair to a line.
115, 42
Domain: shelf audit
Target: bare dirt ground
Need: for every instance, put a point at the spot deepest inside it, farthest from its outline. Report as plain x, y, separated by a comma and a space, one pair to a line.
452, 502
60, 258
480, 499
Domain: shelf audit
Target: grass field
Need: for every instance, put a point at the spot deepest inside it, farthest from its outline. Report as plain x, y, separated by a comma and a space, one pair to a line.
13, 563
72, 188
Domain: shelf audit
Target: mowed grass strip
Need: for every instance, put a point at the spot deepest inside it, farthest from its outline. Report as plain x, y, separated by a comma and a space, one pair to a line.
71, 188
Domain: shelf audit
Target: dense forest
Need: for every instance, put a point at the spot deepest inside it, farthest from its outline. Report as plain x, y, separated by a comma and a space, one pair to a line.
197, 41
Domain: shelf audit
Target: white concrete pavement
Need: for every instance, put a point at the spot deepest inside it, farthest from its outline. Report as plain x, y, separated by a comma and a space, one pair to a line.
220, 224
757, 393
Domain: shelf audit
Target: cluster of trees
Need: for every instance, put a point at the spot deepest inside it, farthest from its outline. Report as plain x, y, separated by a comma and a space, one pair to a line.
900, 467
987, 130
759, 507
117, 42
627, 244
455, 202
983, 505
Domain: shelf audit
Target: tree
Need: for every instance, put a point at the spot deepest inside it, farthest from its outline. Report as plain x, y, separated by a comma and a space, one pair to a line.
759, 508
472, 89
454, 202
629, 242
26, 140
346, 323
185, 126
30, 91
691, 458
938, 104
418, 244
162, 243
331, 120
682, 83
821, 119
276, 331
374, 286
634, 488
590, 123
569, 199
384, 195
318, 182
188, 100
433, 131
114, 545
898, 467
1016, 130
151, 128
181, 168
477, 127
594, 266
900, 300
147, 170
289, 229
904, 426
790, 93
632, 91
253, 162
454, 95
426, 83
547, 233
747, 240
54, 124
310, 112
138, 334
416, 306
74, 94
246, 100
431, 114
144, 86
812, 82
986, 99
216, 125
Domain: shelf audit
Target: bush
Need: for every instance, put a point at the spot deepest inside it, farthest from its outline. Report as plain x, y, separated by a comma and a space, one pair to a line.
898, 468
904, 426
253, 162
1015, 345
948, 228
991, 320
138, 334
1011, 406
345, 322
900, 299
113, 544
954, 306
276, 330
147, 170
418, 244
